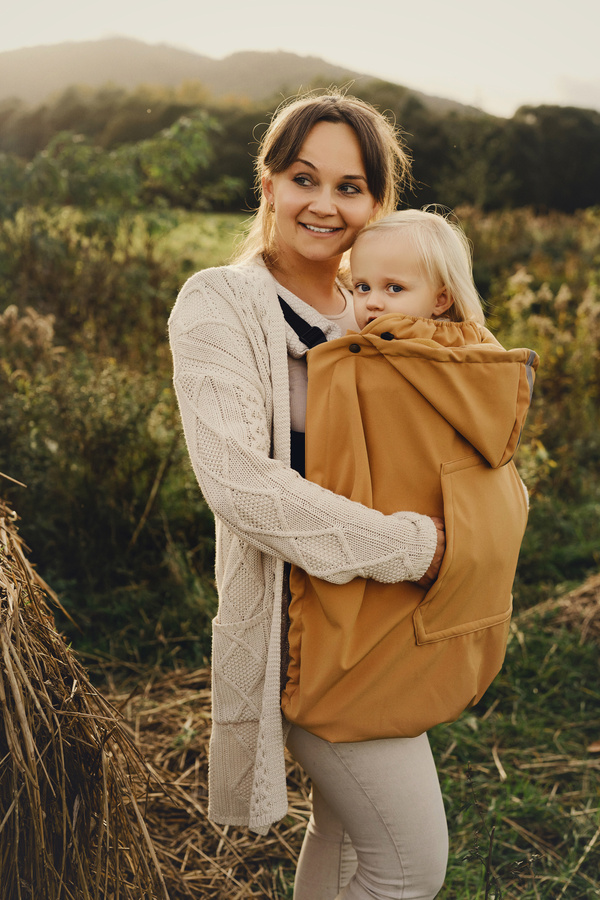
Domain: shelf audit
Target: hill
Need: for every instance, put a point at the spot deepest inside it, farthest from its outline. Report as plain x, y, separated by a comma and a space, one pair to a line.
32, 74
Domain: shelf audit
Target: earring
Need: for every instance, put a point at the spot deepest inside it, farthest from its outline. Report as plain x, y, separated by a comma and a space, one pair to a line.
272, 206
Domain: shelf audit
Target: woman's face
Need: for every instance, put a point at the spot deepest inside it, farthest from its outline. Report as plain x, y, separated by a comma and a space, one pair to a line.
322, 200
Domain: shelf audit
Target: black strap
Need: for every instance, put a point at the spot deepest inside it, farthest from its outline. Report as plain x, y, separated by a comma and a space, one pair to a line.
298, 453
310, 335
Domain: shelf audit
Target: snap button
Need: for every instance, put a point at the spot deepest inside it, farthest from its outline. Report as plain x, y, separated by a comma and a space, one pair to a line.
387, 336
354, 348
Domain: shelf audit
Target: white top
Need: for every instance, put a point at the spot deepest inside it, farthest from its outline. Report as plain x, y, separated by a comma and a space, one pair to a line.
345, 321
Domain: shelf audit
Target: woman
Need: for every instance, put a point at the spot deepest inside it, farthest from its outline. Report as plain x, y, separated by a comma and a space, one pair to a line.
328, 165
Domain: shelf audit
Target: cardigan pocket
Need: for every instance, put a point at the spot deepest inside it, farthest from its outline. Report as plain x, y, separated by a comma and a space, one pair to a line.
238, 668
485, 513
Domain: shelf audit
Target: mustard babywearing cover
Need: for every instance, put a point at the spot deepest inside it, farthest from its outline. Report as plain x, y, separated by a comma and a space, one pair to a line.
422, 415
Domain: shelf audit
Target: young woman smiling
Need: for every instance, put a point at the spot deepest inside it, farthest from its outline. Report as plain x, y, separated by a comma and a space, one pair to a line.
328, 165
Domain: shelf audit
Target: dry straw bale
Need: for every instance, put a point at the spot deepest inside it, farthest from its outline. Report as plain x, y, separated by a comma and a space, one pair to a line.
71, 781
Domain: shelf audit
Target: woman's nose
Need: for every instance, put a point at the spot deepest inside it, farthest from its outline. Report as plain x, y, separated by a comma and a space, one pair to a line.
323, 204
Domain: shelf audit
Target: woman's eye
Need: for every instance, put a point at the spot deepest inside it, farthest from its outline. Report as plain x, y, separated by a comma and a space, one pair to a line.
302, 180
395, 288
349, 189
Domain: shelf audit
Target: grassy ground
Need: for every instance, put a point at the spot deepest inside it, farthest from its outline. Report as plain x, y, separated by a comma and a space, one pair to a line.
520, 775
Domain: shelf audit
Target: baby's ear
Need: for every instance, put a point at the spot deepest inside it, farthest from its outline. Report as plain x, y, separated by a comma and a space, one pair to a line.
443, 302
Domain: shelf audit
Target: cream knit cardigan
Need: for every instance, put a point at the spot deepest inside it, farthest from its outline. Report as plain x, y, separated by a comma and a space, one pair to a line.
230, 344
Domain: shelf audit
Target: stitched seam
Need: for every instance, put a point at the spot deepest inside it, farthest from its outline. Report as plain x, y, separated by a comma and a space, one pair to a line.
363, 790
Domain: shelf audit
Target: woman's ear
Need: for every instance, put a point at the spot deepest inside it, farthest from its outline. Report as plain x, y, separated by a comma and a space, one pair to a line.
267, 188
443, 302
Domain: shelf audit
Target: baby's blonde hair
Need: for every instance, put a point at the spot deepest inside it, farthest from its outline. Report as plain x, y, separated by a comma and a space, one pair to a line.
445, 254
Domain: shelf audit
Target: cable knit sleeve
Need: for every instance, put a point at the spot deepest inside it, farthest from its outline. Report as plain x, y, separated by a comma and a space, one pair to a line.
230, 374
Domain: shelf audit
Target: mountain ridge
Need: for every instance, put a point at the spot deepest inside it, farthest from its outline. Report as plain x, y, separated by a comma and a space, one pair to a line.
34, 74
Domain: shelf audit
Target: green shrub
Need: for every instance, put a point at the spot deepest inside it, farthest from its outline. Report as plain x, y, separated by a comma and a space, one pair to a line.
540, 275
111, 507
97, 274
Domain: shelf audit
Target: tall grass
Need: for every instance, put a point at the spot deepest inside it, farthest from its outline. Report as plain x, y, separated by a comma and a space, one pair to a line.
540, 277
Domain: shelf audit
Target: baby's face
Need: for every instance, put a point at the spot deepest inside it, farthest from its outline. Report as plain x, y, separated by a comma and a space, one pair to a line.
387, 278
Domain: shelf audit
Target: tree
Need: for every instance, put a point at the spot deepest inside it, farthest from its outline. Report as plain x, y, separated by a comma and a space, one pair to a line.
555, 153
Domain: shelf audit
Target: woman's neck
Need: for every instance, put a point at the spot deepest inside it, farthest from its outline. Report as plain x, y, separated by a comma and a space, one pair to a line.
315, 283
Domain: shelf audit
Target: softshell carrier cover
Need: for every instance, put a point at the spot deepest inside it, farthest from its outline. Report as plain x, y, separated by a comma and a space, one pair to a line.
422, 415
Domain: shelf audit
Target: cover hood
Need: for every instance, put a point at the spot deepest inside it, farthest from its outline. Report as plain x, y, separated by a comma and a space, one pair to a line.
485, 398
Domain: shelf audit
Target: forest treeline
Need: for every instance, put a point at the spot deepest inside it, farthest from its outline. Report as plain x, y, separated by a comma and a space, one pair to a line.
176, 147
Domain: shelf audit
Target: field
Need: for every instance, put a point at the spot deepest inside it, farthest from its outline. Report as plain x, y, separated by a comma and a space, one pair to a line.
520, 774
117, 527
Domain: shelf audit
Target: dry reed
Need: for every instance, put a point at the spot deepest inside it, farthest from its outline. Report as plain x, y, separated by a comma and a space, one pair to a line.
72, 783
578, 609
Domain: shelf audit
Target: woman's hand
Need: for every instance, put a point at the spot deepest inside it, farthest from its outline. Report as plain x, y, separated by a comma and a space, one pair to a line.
431, 574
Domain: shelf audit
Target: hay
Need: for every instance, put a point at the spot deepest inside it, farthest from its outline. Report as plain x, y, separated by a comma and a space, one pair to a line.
169, 716
71, 780
578, 610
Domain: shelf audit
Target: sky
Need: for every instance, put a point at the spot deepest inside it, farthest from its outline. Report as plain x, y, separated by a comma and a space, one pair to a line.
496, 55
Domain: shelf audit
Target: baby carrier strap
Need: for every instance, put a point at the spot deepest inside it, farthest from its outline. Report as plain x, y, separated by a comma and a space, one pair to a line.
310, 335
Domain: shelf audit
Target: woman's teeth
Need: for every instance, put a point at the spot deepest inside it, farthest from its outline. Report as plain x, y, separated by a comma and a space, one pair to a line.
320, 230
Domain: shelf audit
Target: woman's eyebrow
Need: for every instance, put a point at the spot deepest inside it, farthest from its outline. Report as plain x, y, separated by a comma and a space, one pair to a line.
306, 162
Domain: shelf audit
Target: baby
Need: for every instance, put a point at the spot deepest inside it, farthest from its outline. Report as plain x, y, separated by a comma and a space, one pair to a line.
422, 410
415, 263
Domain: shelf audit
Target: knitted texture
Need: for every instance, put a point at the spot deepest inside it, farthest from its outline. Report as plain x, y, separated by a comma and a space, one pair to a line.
230, 345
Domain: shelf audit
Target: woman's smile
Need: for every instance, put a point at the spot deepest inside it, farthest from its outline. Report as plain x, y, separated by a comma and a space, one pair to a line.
319, 229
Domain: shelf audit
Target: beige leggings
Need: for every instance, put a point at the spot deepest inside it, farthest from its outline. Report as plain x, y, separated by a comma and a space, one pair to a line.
378, 828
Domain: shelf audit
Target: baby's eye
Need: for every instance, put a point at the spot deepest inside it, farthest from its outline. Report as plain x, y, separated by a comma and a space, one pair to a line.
362, 288
395, 288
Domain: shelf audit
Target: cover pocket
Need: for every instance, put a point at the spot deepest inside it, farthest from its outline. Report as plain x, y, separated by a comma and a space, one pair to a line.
239, 659
485, 514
